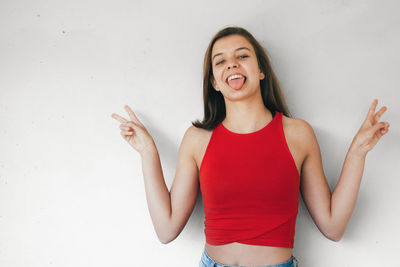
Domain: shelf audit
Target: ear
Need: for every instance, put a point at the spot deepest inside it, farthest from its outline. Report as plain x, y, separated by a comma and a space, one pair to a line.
213, 82
262, 76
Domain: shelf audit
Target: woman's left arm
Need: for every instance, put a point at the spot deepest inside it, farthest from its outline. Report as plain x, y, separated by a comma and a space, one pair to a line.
332, 211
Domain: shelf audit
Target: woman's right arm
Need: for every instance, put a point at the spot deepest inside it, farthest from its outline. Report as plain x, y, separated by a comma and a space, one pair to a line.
169, 211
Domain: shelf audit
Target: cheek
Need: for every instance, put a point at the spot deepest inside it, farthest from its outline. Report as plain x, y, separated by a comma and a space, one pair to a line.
255, 71
217, 75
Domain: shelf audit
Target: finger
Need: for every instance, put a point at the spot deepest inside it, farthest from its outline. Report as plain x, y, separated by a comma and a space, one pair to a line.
126, 128
380, 112
118, 118
130, 124
126, 133
125, 136
132, 115
371, 110
379, 126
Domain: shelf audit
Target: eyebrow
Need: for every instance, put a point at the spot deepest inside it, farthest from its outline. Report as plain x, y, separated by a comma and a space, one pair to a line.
240, 48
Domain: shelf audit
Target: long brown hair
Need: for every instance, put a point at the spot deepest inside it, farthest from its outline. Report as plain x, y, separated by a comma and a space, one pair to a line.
214, 104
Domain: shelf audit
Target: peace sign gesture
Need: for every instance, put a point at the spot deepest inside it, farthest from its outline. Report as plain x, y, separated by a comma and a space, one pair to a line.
371, 130
134, 132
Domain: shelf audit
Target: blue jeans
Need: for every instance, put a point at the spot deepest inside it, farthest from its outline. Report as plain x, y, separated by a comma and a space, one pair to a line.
207, 261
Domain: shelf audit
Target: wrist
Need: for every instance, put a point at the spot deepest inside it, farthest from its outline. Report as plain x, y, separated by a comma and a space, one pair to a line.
149, 151
356, 151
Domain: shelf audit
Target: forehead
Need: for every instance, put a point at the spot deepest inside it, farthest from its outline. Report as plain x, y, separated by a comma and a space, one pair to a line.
230, 43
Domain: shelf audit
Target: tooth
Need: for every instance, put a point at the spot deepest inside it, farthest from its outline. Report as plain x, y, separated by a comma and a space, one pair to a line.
236, 76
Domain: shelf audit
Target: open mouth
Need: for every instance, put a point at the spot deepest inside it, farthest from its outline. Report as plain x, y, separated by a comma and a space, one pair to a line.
236, 81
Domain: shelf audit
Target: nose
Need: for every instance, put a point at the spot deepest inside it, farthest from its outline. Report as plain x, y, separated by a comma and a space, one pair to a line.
232, 64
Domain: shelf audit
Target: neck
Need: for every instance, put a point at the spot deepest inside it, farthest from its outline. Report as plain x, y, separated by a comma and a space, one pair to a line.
246, 115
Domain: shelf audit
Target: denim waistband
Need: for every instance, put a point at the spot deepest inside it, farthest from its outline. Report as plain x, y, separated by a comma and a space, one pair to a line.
207, 261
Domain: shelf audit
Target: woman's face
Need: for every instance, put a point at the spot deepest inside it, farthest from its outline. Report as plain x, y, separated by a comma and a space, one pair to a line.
234, 66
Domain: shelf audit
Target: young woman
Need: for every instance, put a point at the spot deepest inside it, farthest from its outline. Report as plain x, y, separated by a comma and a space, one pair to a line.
250, 159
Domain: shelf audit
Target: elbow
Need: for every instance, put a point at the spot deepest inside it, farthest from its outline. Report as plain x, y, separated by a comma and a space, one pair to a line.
336, 237
166, 233
165, 239
333, 231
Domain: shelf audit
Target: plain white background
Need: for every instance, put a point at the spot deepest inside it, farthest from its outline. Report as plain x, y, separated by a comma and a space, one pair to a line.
72, 190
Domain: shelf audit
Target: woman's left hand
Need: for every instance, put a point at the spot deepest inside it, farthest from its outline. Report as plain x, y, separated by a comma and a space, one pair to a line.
371, 131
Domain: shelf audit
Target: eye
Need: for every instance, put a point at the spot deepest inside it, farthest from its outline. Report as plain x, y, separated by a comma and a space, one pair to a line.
243, 56
219, 62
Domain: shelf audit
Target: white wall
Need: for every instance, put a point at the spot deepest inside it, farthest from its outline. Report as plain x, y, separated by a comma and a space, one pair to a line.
71, 189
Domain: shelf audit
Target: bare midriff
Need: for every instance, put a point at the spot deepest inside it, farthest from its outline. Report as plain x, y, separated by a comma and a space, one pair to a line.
247, 255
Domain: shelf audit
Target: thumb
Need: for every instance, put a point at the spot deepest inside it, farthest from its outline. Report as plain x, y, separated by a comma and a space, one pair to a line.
132, 124
378, 126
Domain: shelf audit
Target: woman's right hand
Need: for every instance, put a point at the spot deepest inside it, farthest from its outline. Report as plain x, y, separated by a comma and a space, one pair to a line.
134, 132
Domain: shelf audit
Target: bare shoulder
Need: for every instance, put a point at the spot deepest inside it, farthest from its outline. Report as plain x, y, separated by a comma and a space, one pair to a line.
198, 139
297, 128
300, 138
195, 134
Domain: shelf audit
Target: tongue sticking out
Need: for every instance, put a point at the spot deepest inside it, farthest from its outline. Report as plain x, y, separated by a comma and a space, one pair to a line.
236, 83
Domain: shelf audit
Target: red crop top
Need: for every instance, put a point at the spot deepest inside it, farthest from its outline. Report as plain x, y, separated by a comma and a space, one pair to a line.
250, 187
